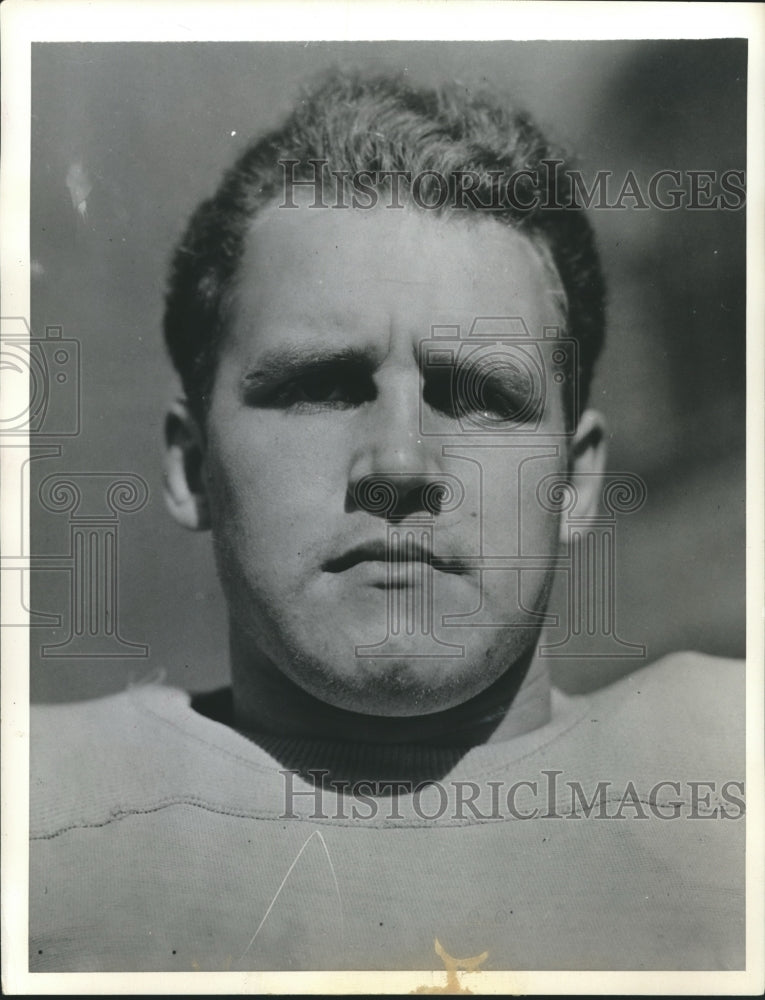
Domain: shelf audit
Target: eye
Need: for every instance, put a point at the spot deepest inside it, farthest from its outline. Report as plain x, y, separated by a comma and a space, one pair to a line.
490, 392
499, 402
439, 391
332, 387
321, 387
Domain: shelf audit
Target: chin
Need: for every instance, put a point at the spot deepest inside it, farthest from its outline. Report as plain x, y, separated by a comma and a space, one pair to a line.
397, 686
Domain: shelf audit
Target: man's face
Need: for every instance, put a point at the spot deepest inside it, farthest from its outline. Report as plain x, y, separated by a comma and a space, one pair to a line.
323, 382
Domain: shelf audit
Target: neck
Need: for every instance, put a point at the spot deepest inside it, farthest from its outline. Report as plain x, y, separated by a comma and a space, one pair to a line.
266, 701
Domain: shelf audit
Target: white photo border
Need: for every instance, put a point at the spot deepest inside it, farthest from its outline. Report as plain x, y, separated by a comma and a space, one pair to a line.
27, 21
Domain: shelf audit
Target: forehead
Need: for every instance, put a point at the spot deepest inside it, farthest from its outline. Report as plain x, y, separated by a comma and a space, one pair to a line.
359, 271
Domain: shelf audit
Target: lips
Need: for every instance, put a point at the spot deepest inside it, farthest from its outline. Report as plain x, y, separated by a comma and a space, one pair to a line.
377, 551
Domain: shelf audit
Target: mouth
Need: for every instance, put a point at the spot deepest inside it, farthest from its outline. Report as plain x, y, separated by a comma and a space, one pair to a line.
394, 558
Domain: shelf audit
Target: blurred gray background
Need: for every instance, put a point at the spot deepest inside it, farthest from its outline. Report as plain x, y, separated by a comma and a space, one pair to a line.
146, 129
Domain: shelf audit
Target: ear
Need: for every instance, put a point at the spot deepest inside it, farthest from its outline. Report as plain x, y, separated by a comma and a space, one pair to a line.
587, 463
185, 492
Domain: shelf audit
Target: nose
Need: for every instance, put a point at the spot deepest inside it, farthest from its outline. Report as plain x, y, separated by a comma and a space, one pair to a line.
396, 470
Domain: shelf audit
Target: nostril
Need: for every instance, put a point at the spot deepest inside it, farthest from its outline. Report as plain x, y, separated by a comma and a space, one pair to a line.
375, 494
398, 495
421, 498
435, 495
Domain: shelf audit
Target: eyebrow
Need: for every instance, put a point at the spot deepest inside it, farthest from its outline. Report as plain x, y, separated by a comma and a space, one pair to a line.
292, 361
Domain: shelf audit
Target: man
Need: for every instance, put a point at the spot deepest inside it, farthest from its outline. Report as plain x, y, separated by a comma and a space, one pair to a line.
385, 322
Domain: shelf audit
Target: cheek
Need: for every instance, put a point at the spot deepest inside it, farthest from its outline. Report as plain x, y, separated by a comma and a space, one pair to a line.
512, 516
269, 492
259, 458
